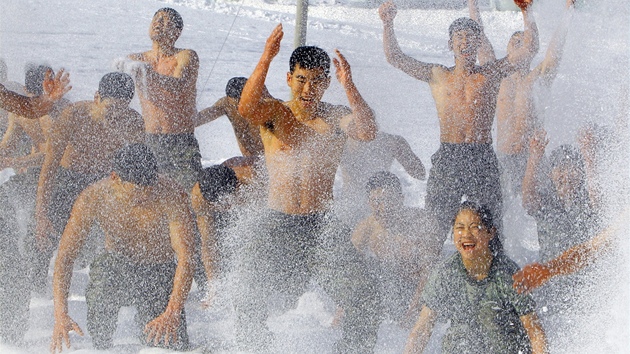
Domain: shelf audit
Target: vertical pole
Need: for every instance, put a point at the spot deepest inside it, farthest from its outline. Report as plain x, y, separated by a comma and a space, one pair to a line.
301, 18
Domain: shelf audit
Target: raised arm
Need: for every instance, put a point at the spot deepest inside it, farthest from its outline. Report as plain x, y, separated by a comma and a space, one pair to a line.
531, 195
421, 332
74, 236
575, 258
535, 332
34, 107
485, 53
407, 158
393, 53
254, 105
164, 327
530, 44
362, 123
211, 113
548, 68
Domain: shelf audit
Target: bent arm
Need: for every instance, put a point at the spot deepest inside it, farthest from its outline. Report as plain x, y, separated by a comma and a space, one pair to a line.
548, 68
211, 113
421, 332
530, 39
485, 53
29, 107
408, 159
535, 332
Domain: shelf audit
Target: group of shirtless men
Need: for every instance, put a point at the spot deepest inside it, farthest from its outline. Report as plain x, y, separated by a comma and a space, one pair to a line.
139, 177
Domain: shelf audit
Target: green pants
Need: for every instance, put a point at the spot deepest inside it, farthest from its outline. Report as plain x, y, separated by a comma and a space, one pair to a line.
285, 254
116, 282
178, 157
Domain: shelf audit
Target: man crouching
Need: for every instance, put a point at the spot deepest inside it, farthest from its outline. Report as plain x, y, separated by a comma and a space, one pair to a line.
147, 262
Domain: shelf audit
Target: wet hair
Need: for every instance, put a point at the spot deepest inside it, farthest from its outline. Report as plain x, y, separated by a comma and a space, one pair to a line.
384, 179
310, 57
173, 15
487, 221
217, 181
464, 24
234, 87
567, 156
34, 78
116, 85
136, 163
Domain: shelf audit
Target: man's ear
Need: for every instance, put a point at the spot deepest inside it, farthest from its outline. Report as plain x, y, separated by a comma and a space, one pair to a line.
450, 44
289, 78
97, 97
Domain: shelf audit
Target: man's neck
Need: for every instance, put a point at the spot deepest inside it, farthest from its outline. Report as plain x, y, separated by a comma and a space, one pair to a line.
479, 268
162, 50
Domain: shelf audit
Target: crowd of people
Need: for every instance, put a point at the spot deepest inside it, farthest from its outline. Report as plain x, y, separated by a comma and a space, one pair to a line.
131, 185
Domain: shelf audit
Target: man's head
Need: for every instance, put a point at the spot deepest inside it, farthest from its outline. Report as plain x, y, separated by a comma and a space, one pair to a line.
166, 26
464, 37
136, 164
34, 79
234, 87
309, 75
567, 171
385, 194
117, 86
216, 183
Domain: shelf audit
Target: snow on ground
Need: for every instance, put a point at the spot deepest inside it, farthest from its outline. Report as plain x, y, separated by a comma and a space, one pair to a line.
86, 36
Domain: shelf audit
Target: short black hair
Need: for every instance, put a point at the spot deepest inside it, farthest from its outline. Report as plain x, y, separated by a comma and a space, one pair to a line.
384, 179
464, 23
116, 85
173, 15
487, 221
310, 57
137, 164
217, 181
34, 78
234, 87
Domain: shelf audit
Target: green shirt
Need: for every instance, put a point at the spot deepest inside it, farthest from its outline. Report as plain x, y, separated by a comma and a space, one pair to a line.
485, 314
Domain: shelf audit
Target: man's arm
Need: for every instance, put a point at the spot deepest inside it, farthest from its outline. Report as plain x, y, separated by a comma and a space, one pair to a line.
528, 48
254, 105
59, 139
548, 68
575, 258
211, 113
361, 124
421, 332
35, 107
182, 240
78, 227
395, 56
407, 158
535, 332
531, 196
361, 233
485, 53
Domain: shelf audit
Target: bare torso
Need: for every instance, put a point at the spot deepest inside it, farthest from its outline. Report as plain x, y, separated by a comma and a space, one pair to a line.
516, 114
465, 103
302, 165
98, 134
247, 134
168, 107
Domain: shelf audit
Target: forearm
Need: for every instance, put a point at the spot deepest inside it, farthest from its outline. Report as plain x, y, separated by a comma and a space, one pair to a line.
421, 332
393, 53
535, 333
181, 285
61, 284
530, 194
32, 160
208, 115
364, 121
251, 97
29, 107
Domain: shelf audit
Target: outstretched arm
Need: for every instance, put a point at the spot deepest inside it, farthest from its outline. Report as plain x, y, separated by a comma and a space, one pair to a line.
362, 125
407, 158
548, 68
72, 240
211, 113
485, 53
393, 53
575, 258
421, 332
34, 107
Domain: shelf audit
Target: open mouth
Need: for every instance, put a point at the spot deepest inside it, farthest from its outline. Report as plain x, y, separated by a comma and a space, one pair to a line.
468, 246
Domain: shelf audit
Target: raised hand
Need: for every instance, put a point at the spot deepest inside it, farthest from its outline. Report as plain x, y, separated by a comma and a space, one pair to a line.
523, 4
164, 327
57, 86
63, 326
272, 46
531, 277
387, 11
343, 72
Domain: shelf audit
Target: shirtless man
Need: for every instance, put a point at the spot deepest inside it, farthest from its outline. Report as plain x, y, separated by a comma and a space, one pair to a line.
401, 243
299, 238
55, 86
82, 143
247, 134
465, 97
361, 160
147, 261
517, 116
167, 88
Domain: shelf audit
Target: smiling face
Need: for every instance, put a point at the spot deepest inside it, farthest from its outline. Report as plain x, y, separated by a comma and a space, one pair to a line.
308, 86
465, 43
471, 237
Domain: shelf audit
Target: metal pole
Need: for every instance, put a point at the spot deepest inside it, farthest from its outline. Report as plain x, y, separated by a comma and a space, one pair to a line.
301, 17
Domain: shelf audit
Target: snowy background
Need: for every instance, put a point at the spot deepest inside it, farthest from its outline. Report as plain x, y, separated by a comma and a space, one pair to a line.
86, 36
